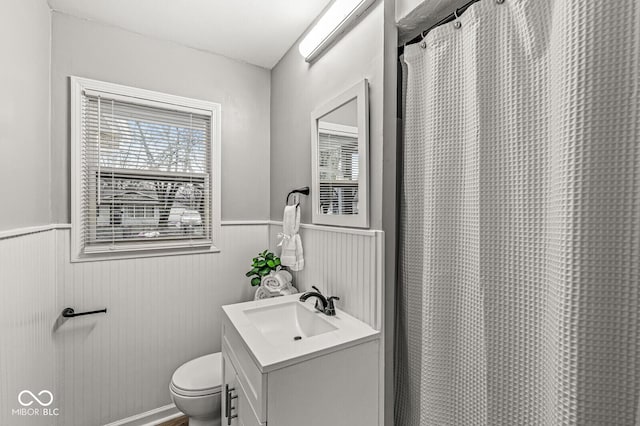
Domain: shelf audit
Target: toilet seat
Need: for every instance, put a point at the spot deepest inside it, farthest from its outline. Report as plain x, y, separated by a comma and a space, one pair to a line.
198, 377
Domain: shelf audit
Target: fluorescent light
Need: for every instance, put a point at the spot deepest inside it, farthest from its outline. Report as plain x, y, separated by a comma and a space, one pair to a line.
335, 20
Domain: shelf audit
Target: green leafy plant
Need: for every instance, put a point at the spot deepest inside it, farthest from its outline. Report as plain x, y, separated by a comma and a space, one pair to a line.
262, 265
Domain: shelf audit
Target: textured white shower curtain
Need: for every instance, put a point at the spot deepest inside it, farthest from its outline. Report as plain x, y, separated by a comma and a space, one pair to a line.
519, 272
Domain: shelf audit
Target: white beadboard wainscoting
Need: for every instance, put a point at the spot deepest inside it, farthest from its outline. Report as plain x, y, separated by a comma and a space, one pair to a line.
343, 262
348, 263
162, 311
27, 311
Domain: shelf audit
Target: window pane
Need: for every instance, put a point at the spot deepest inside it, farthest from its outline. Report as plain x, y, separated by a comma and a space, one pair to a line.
146, 207
144, 138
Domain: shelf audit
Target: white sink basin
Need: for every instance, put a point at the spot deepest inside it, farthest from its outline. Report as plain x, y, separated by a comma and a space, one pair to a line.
270, 329
288, 322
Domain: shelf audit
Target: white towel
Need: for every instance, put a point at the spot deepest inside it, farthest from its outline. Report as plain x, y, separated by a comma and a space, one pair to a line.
284, 277
261, 293
288, 290
292, 254
277, 281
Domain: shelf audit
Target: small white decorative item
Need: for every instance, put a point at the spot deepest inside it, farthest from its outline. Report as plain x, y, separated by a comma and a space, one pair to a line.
275, 284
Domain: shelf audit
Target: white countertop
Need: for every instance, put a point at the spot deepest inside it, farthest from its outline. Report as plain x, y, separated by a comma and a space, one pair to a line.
269, 356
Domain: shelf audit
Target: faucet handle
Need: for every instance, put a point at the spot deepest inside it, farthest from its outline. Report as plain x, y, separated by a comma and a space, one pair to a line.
331, 309
318, 305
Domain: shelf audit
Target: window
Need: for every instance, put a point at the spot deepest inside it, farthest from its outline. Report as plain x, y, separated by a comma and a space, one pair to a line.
145, 171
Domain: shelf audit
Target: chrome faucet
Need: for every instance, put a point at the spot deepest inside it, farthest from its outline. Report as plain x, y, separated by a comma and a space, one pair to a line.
323, 304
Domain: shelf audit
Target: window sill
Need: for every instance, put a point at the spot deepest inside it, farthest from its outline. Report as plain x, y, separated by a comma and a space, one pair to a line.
102, 256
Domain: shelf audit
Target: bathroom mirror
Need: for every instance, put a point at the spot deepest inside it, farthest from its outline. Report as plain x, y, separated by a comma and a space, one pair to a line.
340, 159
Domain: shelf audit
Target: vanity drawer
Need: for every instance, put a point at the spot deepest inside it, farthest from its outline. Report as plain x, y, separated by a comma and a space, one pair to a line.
252, 380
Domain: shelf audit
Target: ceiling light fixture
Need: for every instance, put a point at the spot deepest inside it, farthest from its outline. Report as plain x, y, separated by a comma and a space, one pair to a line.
334, 22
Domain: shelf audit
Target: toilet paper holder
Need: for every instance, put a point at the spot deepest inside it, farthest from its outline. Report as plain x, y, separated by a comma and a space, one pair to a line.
71, 313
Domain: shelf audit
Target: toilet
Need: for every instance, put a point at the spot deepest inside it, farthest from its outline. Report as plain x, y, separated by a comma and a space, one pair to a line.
196, 388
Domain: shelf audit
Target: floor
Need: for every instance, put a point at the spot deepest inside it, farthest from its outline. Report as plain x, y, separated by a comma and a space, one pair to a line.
180, 421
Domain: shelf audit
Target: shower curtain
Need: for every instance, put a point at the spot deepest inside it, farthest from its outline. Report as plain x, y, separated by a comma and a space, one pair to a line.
519, 263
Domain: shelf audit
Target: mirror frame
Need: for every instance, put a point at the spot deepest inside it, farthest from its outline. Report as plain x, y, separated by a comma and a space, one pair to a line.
359, 92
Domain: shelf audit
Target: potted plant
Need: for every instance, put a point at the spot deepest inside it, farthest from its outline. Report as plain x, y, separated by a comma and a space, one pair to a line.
263, 265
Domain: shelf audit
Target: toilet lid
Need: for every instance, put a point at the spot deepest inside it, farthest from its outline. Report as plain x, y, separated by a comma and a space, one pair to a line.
200, 374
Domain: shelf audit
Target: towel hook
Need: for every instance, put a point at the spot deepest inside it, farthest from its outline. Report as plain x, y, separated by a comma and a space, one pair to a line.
304, 191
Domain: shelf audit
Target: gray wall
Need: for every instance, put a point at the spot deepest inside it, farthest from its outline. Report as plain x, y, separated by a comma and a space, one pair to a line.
25, 28
298, 87
366, 51
390, 200
88, 49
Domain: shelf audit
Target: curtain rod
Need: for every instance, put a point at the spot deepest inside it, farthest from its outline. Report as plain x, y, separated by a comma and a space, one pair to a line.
450, 17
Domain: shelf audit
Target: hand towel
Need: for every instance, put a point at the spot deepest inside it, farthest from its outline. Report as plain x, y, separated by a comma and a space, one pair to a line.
288, 290
271, 283
292, 254
261, 293
277, 281
284, 277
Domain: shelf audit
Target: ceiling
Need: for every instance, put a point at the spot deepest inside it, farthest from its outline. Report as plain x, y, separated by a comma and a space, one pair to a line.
255, 31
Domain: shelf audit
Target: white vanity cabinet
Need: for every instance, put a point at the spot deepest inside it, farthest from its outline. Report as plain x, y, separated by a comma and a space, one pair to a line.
239, 379
318, 385
236, 409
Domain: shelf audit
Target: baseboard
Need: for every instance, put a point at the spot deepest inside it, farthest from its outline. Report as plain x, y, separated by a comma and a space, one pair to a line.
150, 418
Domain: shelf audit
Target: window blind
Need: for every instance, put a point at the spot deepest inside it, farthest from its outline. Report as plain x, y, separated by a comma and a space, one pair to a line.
146, 175
338, 162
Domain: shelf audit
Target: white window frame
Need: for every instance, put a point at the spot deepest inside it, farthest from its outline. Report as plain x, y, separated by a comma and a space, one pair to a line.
145, 97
